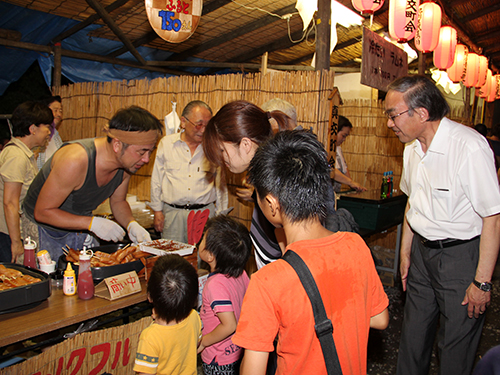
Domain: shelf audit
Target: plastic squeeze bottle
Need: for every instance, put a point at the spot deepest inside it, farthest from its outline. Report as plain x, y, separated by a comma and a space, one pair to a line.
69, 281
29, 253
85, 284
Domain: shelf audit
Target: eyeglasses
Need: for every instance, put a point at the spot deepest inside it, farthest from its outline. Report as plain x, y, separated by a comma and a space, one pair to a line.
393, 118
197, 126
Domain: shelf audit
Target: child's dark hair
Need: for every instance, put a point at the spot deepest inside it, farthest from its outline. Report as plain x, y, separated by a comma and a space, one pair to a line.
173, 288
229, 242
293, 168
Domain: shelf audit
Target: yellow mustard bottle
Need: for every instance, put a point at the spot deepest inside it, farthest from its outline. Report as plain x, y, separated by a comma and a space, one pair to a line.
69, 281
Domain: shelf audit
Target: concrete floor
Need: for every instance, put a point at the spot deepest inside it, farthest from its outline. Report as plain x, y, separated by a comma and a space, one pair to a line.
383, 345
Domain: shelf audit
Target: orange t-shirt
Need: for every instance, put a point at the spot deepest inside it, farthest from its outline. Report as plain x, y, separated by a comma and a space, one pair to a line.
277, 304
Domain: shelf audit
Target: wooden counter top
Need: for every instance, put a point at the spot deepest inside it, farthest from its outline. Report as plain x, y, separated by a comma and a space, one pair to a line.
59, 311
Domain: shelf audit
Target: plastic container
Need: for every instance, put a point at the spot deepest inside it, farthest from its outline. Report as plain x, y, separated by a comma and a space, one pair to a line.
29, 253
69, 281
85, 284
43, 257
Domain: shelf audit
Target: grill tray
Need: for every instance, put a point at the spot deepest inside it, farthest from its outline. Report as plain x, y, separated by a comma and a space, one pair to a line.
101, 273
27, 296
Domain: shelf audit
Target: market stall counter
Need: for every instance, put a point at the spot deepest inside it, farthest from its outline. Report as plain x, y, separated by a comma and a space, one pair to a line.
375, 215
59, 311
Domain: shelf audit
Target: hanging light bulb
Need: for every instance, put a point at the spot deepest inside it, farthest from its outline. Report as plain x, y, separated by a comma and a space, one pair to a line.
403, 19
484, 90
444, 54
483, 71
472, 71
457, 71
367, 7
428, 27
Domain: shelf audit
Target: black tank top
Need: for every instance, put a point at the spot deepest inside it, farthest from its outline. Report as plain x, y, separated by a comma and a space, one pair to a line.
80, 202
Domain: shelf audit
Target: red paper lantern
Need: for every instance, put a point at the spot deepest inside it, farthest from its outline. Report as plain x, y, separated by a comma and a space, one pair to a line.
428, 27
403, 19
367, 7
444, 54
484, 90
456, 72
472, 71
483, 71
493, 89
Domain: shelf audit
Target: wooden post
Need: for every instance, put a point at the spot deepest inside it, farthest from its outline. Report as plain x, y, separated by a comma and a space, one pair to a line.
56, 80
323, 23
421, 63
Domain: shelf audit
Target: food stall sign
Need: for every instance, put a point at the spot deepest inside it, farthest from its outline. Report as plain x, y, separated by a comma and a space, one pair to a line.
174, 20
118, 286
382, 61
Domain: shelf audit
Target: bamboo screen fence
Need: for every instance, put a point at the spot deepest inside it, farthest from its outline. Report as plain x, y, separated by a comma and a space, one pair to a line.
370, 150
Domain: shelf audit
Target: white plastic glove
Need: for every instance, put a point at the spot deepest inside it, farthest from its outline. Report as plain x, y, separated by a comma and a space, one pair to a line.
106, 229
137, 234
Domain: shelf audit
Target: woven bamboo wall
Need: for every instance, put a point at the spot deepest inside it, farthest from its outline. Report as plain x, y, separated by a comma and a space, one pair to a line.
88, 107
372, 148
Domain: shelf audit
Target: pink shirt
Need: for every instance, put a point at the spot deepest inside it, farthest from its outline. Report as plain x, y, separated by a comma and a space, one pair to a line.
222, 294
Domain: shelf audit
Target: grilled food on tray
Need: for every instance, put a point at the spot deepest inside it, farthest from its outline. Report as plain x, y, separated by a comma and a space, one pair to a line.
11, 278
101, 259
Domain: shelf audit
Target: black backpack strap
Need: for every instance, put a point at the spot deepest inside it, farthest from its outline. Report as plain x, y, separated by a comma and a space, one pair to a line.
323, 326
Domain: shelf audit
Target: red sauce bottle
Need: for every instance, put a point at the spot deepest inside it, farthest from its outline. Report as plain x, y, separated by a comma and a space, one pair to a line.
85, 285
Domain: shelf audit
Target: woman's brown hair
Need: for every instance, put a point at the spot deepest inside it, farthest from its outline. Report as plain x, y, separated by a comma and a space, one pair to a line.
235, 121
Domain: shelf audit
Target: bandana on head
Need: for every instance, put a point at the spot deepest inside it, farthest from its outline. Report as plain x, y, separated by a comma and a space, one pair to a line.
133, 137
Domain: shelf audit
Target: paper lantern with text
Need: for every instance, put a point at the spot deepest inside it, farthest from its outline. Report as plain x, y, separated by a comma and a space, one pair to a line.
174, 21
457, 71
472, 70
367, 7
484, 90
483, 71
428, 27
403, 17
493, 90
444, 54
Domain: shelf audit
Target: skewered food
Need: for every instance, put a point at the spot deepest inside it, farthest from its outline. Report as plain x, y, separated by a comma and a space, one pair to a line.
102, 259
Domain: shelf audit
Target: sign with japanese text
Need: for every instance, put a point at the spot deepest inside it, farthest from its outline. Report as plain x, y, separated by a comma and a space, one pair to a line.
109, 351
118, 286
382, 61
333, 124
174, 20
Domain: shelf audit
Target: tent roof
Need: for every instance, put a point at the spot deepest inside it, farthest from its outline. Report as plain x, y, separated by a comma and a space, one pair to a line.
230, 33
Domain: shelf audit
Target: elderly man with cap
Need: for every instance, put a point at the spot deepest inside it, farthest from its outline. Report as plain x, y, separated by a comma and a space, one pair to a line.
84, 173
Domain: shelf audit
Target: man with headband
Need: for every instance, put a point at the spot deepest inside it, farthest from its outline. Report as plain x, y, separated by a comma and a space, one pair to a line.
84, 173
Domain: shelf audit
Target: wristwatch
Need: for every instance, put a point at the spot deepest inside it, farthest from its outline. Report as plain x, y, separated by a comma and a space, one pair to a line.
485, 287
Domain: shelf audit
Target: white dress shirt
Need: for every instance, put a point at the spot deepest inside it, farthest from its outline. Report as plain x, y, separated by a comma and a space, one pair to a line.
452, 186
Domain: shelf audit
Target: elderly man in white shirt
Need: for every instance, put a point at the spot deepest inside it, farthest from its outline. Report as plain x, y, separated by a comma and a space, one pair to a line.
183, 180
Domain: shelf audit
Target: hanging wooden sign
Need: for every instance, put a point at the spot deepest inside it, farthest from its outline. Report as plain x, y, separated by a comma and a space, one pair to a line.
174, 20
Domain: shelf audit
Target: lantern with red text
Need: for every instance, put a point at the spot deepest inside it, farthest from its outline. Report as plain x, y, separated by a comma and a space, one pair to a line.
472, 70
428, 27
367, 7
493, 90
483, 71
403, 19
456, 72
444, 54
484, 90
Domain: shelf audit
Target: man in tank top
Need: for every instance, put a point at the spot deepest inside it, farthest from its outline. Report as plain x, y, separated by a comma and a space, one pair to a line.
84, 173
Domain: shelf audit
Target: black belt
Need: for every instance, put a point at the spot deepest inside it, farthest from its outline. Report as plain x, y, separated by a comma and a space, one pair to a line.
190, 206
448, 242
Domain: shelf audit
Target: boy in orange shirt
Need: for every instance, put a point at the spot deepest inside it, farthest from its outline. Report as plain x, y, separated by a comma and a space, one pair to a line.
291, 176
